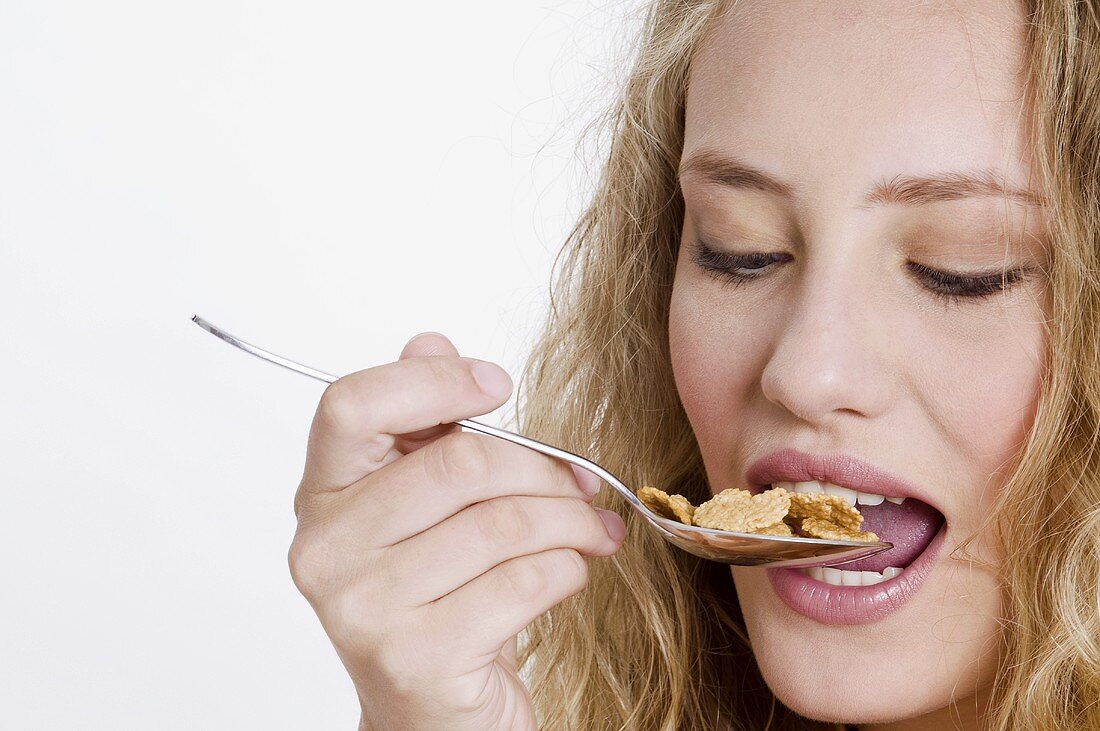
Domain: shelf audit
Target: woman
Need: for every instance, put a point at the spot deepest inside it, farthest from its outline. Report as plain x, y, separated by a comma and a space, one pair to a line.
854, 243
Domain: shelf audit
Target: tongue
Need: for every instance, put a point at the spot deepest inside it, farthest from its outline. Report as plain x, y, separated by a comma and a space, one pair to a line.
910, 526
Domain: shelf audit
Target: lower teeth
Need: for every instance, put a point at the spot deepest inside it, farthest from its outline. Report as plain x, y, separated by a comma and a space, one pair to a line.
840, 577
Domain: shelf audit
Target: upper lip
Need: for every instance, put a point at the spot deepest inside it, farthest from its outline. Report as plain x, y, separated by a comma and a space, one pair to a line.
791, 465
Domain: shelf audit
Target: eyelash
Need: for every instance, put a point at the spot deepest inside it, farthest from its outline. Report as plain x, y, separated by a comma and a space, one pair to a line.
725, 266
957, 287
943, 285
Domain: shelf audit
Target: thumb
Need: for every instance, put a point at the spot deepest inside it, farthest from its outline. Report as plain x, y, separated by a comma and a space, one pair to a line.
428, 343
424, 345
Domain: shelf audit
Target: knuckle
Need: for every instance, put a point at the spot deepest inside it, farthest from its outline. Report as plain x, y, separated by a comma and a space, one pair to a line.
555, 471
572, 570
319, 561
582, 515
555, 475
458, 459
307, 559
527, 579
502, 521
338, 405
449, 374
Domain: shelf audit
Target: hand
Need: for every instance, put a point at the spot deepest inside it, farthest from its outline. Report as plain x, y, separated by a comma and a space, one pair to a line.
424, 550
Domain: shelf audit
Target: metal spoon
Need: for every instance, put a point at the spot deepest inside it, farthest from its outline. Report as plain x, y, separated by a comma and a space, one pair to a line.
740, 549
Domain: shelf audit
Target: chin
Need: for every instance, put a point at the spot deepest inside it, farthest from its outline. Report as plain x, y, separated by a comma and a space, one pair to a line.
844, 691
919, 659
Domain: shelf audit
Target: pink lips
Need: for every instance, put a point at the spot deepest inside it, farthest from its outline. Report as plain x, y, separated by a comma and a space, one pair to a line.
830, 604
846, 604
791, 465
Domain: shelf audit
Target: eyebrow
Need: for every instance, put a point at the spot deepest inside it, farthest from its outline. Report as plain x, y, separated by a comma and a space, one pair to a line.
904, 190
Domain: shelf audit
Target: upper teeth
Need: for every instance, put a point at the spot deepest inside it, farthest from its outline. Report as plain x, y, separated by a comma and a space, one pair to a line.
853, 497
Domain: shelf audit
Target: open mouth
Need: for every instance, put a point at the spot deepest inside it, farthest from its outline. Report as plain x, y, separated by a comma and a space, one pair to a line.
869, 589
908, 523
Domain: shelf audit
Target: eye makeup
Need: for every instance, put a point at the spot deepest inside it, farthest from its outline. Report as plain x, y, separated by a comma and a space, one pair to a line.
956, 287
739, 269
734, 268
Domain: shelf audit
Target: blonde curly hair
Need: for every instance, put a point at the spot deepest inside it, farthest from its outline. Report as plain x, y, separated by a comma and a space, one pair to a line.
657, 641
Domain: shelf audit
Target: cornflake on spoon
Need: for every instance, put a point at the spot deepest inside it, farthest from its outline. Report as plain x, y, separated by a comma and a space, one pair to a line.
739, 511
773, 512
819, 515
673, 507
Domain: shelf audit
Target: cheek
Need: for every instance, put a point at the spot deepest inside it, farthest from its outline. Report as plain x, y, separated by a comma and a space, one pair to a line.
983, 390
707, 364
716, 352
688, 348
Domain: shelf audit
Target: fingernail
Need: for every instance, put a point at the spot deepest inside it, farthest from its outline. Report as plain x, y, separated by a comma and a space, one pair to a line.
586, 481
492, 379
615, 526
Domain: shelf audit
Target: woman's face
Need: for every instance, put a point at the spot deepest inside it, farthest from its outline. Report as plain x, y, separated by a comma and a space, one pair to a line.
855, 303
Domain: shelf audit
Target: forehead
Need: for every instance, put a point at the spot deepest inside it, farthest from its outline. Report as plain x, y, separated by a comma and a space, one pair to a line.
835, 95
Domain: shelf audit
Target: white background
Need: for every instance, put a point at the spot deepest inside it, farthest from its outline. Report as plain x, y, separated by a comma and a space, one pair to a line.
325, 179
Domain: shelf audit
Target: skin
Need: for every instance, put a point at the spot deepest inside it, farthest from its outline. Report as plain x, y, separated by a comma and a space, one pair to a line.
838, 348
390, 486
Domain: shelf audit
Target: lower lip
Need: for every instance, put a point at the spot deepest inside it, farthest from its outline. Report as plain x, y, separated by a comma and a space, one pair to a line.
830, 604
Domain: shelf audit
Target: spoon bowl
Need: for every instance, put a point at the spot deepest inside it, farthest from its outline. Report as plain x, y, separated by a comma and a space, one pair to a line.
738, 549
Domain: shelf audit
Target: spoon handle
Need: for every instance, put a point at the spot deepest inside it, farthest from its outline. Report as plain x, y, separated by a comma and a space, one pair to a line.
553, 451
493, 431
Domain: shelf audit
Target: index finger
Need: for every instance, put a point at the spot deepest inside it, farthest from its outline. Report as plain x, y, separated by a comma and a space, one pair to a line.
354, 428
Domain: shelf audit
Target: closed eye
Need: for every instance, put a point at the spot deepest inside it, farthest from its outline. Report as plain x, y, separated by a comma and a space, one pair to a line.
955, 287
735, 268
947, 286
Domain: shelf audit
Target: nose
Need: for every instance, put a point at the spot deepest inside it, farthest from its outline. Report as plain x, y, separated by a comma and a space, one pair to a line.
829, 355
